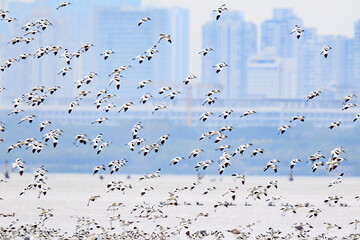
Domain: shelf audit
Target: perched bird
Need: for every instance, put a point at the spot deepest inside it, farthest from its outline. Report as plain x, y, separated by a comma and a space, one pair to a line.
143, 20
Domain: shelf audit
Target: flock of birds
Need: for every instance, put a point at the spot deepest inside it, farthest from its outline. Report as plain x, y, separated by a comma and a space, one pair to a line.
88, 228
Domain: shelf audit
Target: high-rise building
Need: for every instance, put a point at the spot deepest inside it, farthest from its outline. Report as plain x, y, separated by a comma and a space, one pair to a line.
233, 41
356, 54
270, 76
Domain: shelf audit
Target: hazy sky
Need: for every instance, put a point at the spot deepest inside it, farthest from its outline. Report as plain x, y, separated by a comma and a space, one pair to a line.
334, 17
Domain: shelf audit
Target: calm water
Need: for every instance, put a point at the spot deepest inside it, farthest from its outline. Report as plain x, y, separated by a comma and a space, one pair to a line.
69, 195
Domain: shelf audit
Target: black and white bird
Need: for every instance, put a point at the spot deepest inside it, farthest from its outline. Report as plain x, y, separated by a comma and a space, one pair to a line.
337, 180
18, 164
190, 77
226, 113
283, 129
325, 51
220, 66
347, 106
176, 160
203, 164
256, 151
140, 57
298, 31
356, 117
313, 94
248, 113
348, 98
173, 94
64, 70
298, 117
96, 169
143, 83
239, 176
145, 190
64, 4
43, 124
241, 149
145, 97
223, 147
333, 124
316, 165
294, 162
195, 152
143, 20
212, 92
205, 116
126, 106
220, 10
159, 107
92, 199
272, 164
100, 120
163, 139
164, 89
205, 51
209, 100
107, 53
27, 118
165, 36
